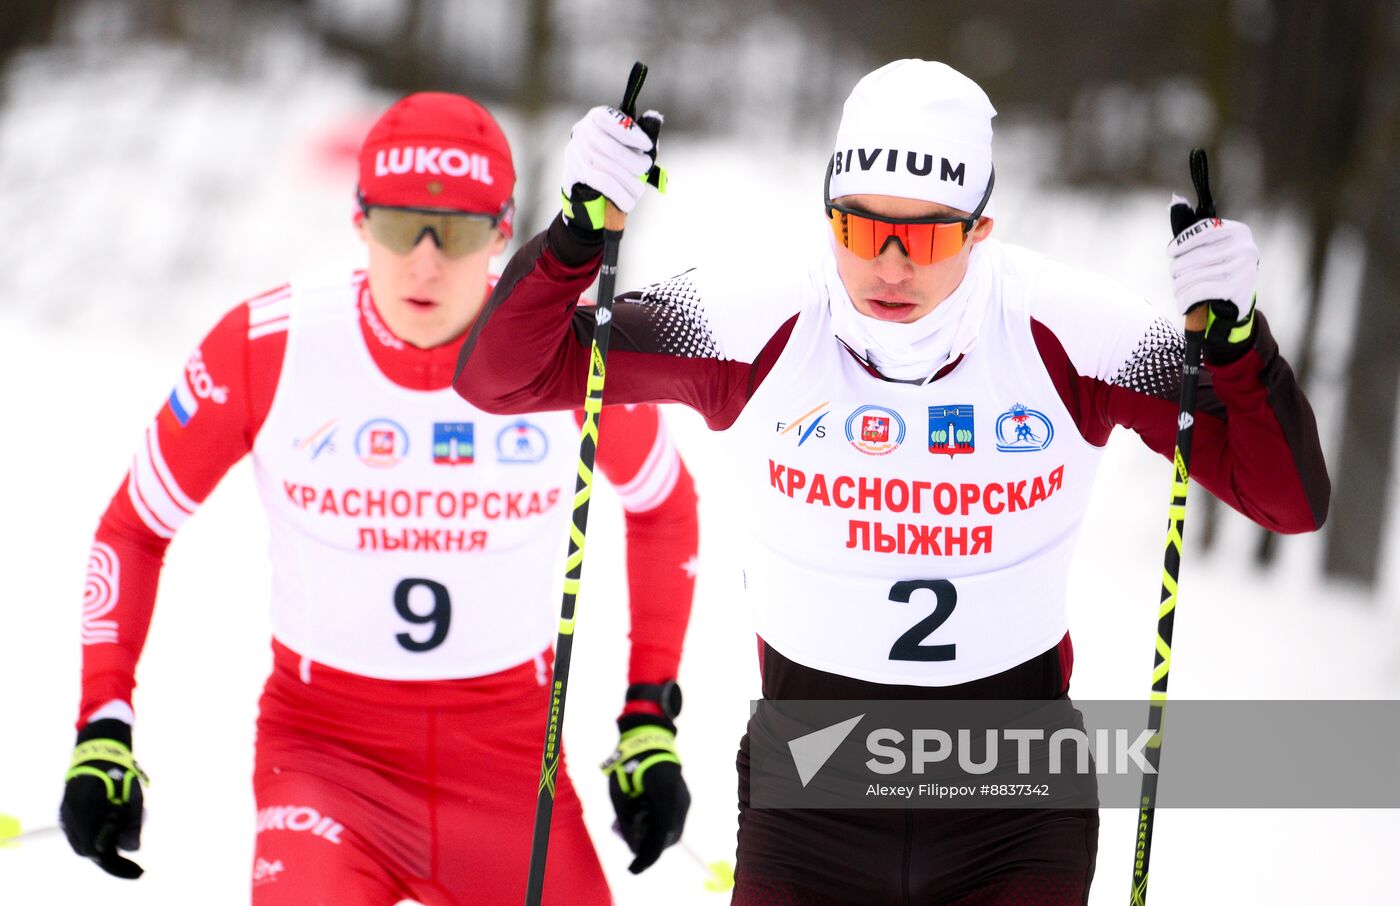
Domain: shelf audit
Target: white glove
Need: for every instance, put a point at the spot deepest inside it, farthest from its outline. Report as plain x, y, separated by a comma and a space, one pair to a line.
609, 153
1214, 259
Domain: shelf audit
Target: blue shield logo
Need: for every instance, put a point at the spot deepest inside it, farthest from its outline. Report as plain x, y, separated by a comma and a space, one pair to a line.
950, 430
453, 443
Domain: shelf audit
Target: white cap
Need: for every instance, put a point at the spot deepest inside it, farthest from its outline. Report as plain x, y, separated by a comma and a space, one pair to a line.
915, 129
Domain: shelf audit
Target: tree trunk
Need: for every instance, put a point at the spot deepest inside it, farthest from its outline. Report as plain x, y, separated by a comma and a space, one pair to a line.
26, 22
1362, 470
533, 159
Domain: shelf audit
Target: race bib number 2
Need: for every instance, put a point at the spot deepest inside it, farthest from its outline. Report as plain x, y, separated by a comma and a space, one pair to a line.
910, 646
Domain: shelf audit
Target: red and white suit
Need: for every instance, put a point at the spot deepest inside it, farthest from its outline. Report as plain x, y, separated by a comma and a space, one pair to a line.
416, 544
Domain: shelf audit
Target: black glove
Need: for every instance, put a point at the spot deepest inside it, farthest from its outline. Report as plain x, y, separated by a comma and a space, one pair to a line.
101, 810
648, 792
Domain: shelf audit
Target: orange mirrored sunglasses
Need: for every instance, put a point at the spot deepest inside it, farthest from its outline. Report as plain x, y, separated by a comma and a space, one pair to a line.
925, 240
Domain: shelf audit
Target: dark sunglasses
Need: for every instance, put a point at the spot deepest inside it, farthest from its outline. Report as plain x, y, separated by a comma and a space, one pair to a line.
457, 233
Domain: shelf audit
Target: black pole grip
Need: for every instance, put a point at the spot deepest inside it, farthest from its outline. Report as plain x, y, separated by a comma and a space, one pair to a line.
634, 88
651, 125
1200, 178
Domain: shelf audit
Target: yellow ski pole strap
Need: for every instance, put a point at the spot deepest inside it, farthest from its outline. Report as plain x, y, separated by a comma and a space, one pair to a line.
1240, 331
592, 210
112, 751
657, 744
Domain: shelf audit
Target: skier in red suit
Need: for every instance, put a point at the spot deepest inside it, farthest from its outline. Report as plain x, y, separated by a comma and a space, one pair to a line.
416, 543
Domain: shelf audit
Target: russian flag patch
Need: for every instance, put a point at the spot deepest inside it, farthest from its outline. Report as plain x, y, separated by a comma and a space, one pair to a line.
183, 403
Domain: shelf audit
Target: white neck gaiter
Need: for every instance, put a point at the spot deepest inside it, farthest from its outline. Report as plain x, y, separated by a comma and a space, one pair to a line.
916, 351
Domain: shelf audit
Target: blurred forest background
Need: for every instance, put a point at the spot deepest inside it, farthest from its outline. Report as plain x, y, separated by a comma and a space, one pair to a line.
1297, 100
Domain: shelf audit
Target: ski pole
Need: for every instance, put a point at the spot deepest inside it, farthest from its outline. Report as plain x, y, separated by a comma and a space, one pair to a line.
719, 875
1196, 320
614, 220
13, 833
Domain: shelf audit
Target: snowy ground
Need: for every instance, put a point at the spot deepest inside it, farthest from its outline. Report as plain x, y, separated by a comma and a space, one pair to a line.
144, 196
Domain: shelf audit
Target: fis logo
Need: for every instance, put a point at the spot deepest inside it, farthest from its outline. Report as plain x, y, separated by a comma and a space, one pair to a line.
322, 440
195, 385
807, 425
299, 819
1023, 430
381, 443
891, 159
434, 161
875, 430
454, 444
950, 430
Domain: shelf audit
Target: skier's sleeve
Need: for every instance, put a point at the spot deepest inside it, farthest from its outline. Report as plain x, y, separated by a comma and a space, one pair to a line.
676, 341
207, 424
1116, 361
637, 455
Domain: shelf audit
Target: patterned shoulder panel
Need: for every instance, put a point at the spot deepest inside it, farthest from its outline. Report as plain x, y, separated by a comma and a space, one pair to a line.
706, 314
673, 319
1154, 365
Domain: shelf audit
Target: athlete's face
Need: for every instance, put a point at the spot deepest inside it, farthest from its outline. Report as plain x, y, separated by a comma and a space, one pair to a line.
890, 286
425, 297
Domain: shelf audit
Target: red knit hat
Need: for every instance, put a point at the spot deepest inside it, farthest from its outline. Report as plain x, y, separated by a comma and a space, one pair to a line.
437, 150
